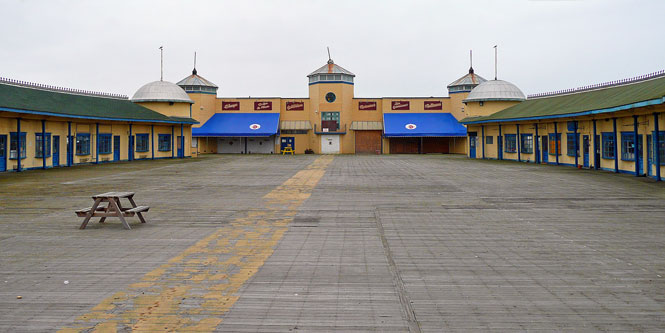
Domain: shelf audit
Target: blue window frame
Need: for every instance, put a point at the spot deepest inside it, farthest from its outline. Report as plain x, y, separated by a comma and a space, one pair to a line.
609, 144
627, 146
105, 143
13, 143
554, 144
526, 143
142, 143
39, 143
511, 143
489, 140
83, 144
164, 142
572, 148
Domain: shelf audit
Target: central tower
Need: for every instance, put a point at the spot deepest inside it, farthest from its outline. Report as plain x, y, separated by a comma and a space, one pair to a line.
331, 105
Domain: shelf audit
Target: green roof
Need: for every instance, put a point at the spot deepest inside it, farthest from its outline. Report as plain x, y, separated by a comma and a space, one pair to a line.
610, 99
63, 104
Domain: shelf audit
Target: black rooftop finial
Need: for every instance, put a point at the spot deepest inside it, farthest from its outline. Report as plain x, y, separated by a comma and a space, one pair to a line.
194, 71
471, 61
330, 61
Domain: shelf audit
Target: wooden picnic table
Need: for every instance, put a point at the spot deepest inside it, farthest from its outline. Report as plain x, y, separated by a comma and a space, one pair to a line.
113, 208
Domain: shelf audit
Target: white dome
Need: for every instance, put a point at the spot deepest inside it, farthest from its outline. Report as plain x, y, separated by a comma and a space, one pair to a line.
495, 90
161, 91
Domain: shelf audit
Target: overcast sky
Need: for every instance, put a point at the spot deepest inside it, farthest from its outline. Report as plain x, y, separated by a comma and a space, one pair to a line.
266, 48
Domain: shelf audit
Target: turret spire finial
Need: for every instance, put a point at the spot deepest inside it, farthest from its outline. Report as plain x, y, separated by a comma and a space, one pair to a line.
471, 61
194, 70
161, 69
330, 61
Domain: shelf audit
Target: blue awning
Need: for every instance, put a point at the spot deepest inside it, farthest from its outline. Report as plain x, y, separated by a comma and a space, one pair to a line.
239, 124
421, 124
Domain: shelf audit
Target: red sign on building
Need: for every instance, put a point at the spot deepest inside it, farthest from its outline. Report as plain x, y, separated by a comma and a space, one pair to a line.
230, 106
400, 105
433, 105
367, 106
295, 106
258, 106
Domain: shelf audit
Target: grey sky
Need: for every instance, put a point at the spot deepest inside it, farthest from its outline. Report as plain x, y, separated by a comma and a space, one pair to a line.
266, 48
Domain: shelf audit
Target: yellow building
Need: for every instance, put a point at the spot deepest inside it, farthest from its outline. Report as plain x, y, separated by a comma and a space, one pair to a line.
616, 126
43, 127
331, 120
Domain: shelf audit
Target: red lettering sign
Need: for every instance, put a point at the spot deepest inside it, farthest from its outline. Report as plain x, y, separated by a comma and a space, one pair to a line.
295, 106
258, 106
230, 106
367, 106
400, 105
433, 105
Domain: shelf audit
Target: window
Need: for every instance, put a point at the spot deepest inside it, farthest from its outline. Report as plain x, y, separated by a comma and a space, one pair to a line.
627, 146
511, 143
105, 143
83, 144
330, 120
489, 140
13, 143
39, 142
526, 143
142, 143
195, 142
164, 142
609, 142
573, 148
293, 131
554, 144
330, 97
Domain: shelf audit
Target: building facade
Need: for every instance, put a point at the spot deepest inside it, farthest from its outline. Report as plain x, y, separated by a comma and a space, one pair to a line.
330, 120
43, 127
617, 127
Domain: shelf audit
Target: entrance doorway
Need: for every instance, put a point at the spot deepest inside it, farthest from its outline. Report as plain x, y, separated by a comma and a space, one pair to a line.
287, 141
544, 144
329, 144
472, 147
3, 153
55, 156
116, 148
585, 150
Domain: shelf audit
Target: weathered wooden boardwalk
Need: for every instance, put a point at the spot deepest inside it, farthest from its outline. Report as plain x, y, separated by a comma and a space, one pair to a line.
351, 243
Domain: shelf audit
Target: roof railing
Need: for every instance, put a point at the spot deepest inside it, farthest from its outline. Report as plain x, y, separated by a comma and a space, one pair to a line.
645, 77
61, 89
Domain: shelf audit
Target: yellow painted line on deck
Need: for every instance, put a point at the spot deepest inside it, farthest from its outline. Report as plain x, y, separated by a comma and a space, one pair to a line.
193, 290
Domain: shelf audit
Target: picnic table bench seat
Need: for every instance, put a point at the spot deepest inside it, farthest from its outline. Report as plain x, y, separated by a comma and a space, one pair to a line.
113, 208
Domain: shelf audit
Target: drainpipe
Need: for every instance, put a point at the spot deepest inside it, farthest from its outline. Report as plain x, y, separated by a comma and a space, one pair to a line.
18, 144
536, 143
499, 145
595, 147
152, 140
97, 144
131, 144
616, 146
656, 141
556, 144
69, 144
482, 129
43, 144
519, 156
577, 146
637, 148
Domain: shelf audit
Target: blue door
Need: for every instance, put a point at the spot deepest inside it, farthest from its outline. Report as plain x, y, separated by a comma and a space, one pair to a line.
585, 150
180, 153
131, 148
544, 147
650, 149
56, 151
472, 147
70, 150
640, 157
287, 141
3, 153
116, 148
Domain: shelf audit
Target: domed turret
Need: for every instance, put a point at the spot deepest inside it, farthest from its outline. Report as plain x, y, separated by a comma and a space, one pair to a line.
495, 90
161, 91
492, 96
331, 72
466, 83
197, 84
